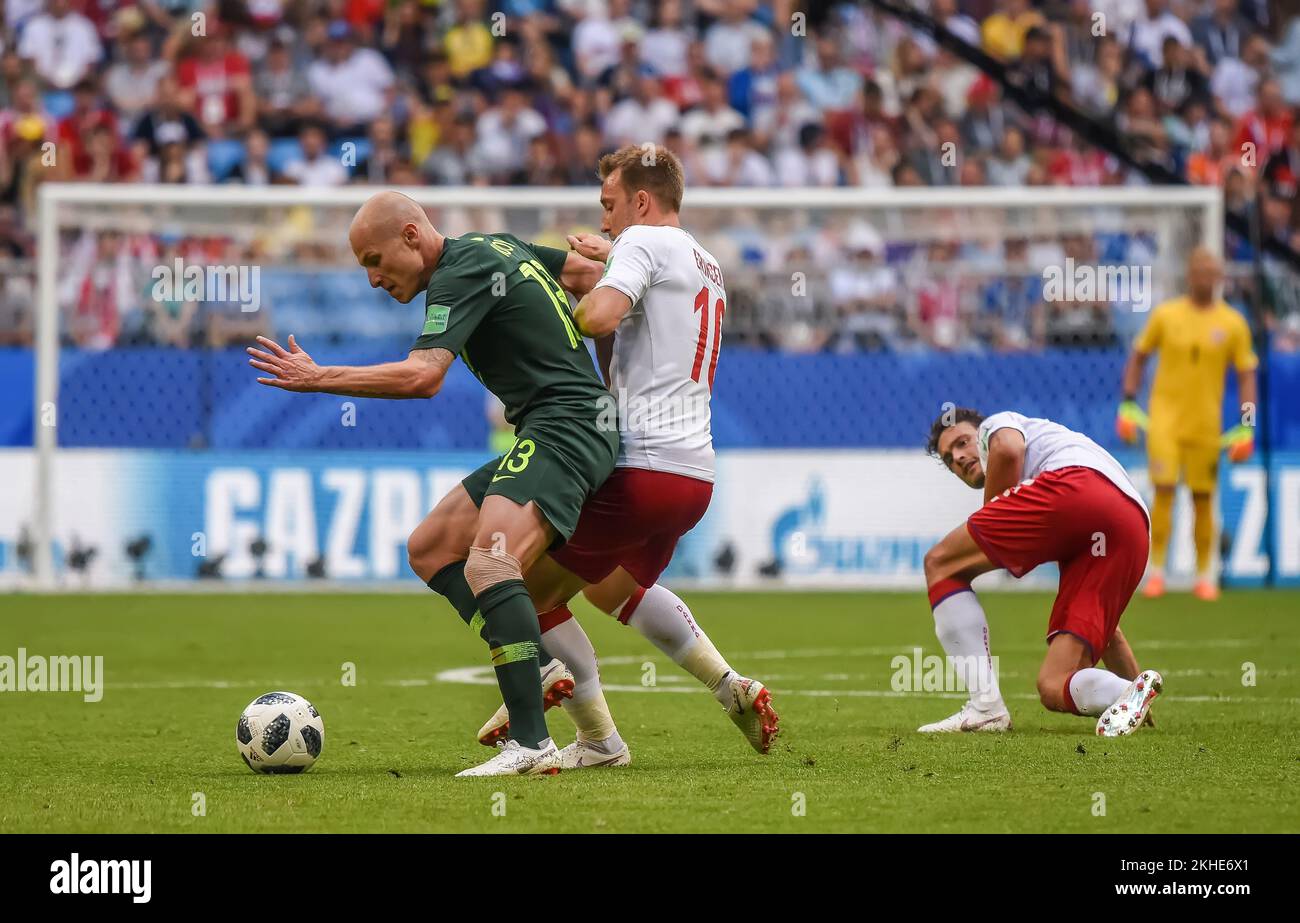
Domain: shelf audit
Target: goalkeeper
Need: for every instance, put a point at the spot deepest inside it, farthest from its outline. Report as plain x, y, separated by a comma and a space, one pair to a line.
1196, 337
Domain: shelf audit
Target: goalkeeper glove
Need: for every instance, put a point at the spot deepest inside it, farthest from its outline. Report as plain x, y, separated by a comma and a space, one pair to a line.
1129, 420
1240, 443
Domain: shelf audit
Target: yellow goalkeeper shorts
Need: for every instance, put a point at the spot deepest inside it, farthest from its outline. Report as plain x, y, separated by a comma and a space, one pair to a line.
1170, 460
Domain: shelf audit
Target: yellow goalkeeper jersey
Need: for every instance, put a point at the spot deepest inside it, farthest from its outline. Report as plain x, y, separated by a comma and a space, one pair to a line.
1195, 347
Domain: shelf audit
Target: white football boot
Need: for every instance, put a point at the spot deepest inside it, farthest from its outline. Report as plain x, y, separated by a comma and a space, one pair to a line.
515, 760
1130, 709
582, 755
557, 685
969, 720
749, 706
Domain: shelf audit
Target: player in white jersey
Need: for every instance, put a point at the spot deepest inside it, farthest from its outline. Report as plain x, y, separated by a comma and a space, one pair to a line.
1050, 494
656, 315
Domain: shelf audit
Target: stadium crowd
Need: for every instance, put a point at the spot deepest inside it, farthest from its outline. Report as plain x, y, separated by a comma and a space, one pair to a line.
749, 94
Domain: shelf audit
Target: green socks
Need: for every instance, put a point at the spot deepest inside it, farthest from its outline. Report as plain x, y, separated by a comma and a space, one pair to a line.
450, 582
515, 639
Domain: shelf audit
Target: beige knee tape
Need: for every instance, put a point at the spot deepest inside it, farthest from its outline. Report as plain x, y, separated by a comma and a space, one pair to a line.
486, 568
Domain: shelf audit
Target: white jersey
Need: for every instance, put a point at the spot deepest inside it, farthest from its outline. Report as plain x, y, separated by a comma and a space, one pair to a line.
665, 348
1050, 446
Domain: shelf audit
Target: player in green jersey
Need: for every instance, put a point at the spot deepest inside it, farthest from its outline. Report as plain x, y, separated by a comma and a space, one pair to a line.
499, 304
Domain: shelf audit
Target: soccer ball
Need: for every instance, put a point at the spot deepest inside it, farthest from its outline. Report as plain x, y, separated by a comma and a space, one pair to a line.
280, 732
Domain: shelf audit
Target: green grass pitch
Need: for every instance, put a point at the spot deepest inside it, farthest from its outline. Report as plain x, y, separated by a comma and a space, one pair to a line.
1225, 755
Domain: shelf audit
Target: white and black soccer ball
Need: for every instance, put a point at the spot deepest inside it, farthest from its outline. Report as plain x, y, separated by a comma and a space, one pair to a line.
280, 733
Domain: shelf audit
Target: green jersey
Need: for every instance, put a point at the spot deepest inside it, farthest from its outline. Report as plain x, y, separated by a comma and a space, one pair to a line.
495, 301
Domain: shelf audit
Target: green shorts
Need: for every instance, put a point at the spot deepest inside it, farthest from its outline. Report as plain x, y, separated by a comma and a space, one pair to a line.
557, 464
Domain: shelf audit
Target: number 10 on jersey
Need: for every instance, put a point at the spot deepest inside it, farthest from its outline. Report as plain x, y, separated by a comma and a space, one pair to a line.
702, 309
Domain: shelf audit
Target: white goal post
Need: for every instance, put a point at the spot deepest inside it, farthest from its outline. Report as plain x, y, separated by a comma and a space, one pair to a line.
1173, 215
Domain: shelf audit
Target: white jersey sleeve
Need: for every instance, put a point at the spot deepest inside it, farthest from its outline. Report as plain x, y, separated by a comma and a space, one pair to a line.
665, 348
1050, 446
629, 266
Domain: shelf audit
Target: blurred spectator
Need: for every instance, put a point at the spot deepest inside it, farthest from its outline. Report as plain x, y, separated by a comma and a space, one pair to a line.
1267, 127
644, 116
596, 41
939, 163
541, 167
985, 123
580, 170
1235, 80
665, 45
826, 81
736, 163
752, 88
25, 105
873, 165
1004, 31
354, 84
409, 32
1285, 61
254, 169
384, 154
1010, 165
1147, 33
959, 24
131, 84
74, 132
865, 294
1010, 310
1220, 33
61, 43
1177, 80
777, 126
283, 92
22, 162
1282, 171
315, 165
216, 84
1037, 71
504, 132
815, 162
713, 119
1210, 166
937, 317
450, 162
1096, 87
166, 123
728, 42
468, 43
1078, 164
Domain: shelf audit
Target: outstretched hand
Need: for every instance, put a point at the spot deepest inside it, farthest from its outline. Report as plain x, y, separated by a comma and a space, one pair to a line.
592, 246
291, 369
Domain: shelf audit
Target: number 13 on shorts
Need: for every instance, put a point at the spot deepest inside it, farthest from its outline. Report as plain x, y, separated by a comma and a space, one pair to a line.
516, 460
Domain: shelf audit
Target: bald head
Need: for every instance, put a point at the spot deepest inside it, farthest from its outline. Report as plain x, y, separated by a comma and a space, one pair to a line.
396, 243
1204, 273
383, 215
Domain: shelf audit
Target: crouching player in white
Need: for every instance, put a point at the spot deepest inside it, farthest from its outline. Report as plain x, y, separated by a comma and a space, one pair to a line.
1050, 494
656, 315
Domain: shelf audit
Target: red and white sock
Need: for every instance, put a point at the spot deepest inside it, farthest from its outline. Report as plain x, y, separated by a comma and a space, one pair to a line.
1092, 691
963, 631
666, 622
563, 637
